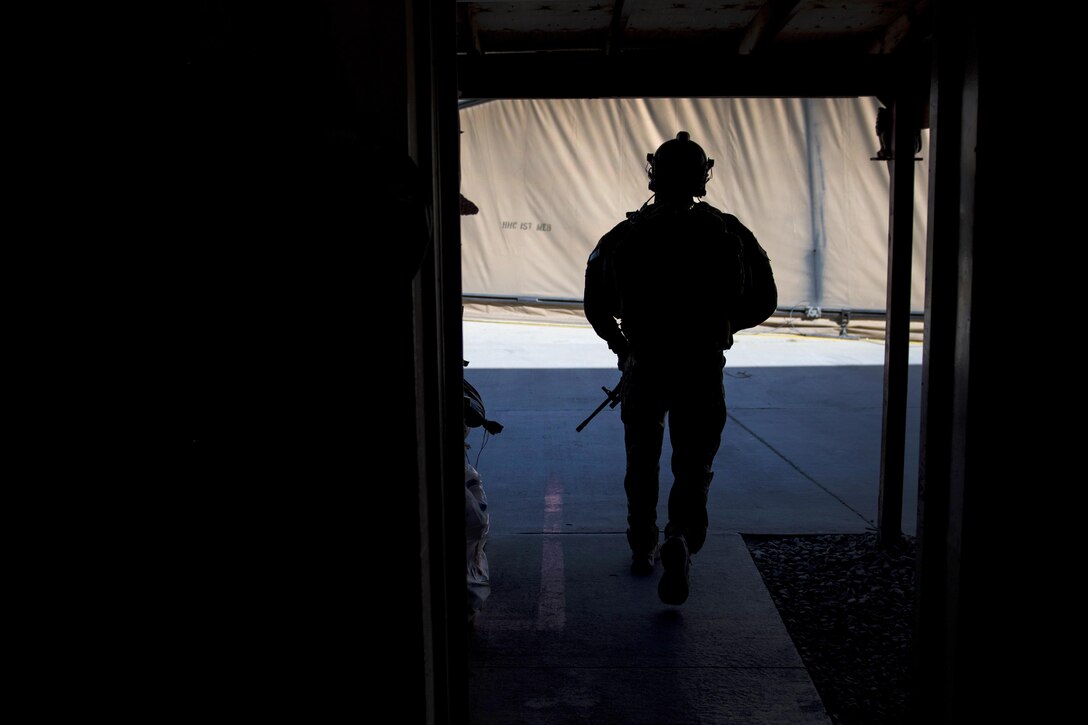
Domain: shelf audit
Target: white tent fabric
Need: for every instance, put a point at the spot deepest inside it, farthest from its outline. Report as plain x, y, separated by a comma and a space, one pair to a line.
550, 177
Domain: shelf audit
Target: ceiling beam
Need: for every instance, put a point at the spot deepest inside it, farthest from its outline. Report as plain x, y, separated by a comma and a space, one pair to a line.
670, 74
767, 23
908, 28
471, 26
621, 13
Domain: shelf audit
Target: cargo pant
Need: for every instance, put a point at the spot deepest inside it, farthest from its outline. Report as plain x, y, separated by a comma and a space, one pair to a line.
690, 394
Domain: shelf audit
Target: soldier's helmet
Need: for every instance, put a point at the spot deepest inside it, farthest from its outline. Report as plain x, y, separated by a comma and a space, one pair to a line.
679, 165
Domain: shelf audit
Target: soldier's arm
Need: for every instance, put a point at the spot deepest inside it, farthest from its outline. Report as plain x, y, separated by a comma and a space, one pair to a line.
599, 299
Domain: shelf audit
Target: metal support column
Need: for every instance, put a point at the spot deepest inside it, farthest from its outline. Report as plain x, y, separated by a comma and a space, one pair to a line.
437, 334
897, 336
962, 672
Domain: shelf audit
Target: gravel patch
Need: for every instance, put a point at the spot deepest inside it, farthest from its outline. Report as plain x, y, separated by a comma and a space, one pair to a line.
848, 605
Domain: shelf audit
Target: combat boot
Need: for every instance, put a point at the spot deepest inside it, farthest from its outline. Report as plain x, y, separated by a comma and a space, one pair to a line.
644, 551
674, 585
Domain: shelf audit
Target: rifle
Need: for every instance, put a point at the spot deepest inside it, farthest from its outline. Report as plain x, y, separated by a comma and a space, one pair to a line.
615, 397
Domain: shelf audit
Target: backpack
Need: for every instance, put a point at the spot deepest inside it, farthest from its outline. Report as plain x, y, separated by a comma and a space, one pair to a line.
760, 298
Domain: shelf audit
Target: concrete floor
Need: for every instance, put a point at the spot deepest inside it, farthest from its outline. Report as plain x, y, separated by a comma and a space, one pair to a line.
567, 634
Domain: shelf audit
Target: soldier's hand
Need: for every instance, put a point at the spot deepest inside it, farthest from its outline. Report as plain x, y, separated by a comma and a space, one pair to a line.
619, 346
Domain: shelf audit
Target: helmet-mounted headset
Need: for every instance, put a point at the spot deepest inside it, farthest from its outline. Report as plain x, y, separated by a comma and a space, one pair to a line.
679, 165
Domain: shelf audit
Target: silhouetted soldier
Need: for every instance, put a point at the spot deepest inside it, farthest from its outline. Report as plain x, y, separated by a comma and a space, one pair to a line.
660, 289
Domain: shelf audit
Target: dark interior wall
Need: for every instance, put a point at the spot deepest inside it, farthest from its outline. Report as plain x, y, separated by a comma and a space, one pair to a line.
979, 593
291, 224
994, 448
